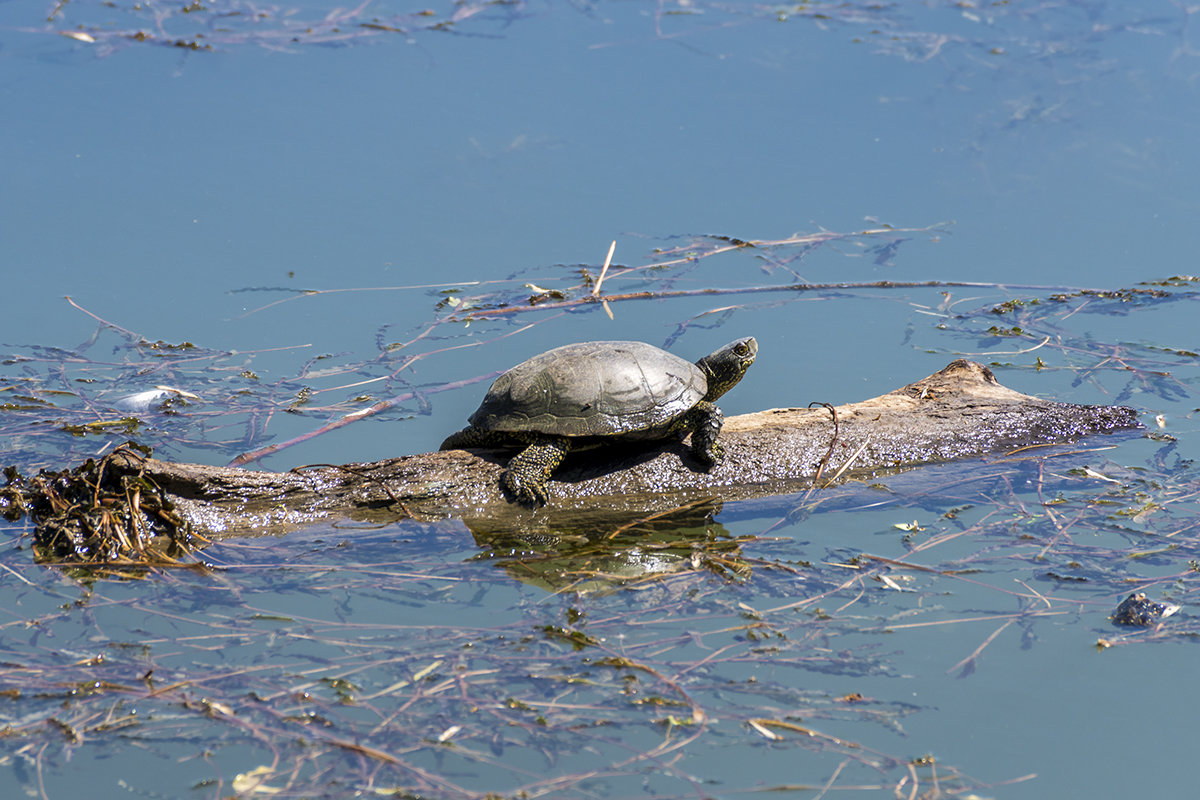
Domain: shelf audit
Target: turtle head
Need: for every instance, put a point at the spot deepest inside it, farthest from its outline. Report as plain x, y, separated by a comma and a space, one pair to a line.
725, 367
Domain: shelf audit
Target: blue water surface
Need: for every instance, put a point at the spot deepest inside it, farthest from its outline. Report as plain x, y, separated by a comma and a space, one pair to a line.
312, 187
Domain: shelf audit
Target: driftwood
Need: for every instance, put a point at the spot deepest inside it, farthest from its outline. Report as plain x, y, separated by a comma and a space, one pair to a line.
958, 412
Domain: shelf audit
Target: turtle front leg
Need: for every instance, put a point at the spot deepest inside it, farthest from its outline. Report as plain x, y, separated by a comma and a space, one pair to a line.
528, 472
705, 421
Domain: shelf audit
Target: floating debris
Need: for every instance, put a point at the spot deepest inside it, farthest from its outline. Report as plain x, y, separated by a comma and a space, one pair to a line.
99, 514
1141, 611
153, 399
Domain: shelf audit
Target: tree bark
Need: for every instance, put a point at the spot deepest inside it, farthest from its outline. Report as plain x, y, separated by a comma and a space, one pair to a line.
959, 412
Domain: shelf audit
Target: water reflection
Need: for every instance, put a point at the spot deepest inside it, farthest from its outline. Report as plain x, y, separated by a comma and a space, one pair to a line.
601, 551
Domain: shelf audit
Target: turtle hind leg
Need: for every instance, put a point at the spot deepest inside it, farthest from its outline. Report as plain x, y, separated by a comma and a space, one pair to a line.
705, 421
528, 472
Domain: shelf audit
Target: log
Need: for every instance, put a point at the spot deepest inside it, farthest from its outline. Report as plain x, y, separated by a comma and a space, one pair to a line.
959, 412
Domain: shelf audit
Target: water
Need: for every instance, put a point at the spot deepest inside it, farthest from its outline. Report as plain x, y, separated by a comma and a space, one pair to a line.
182, 195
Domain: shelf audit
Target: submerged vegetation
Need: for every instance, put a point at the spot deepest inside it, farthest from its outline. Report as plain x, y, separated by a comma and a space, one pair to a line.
93, 516
120, 384
63, 405
867, 639
408, 659
997, 34
654, 652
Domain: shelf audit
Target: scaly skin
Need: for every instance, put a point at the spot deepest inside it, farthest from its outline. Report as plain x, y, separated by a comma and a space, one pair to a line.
705, 421
530, 470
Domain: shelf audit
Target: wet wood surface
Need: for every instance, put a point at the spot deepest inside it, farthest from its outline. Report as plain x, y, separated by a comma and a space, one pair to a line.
960, 412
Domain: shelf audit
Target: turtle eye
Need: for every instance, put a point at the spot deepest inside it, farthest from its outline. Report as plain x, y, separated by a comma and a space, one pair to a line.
741, 349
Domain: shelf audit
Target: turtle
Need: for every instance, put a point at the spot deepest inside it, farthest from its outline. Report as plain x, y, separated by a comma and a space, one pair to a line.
595, 393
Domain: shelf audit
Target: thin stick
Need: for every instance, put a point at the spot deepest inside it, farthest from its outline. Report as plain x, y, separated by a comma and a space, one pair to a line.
1042, 343
849, 461
101, 320
354, 416
832, 443
604, 270
832, 779
967, 664
486, 313
17, 575
300, 294
382, 405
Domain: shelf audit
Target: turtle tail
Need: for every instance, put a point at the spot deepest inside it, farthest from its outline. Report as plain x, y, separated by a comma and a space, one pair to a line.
467, 437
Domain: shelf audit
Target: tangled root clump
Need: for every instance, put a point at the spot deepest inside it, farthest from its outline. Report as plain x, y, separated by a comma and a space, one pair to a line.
99, 513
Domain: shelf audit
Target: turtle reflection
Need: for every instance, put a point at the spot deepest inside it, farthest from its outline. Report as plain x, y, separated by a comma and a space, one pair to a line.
602, 550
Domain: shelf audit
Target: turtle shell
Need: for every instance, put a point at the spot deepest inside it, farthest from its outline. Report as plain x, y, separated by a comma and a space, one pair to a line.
628, 389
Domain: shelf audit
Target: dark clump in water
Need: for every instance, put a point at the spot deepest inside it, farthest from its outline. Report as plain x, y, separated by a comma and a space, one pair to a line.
1141, 611
96, 514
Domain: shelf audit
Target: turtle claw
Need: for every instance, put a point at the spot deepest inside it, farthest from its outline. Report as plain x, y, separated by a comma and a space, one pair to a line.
523, 491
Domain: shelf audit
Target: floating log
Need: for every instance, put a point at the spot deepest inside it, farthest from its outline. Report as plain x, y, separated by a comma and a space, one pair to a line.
959, 412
